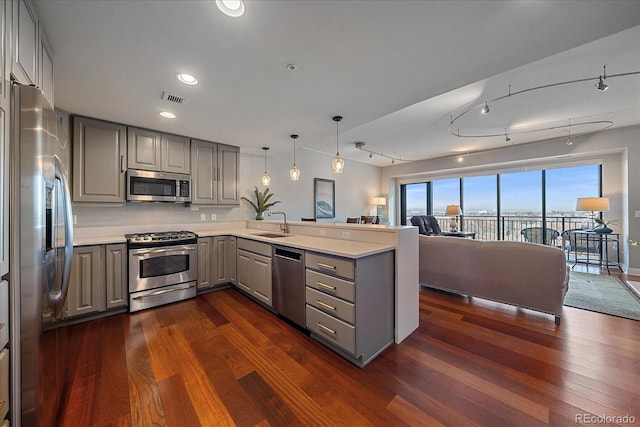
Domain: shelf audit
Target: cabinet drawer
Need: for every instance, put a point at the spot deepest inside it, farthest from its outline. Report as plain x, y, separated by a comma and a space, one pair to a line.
255, 247
331, 285
4, 314
331, 329
4, 383
333, 265
333, 306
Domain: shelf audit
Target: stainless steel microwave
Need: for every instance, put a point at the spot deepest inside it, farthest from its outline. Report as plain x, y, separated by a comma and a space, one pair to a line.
149, 186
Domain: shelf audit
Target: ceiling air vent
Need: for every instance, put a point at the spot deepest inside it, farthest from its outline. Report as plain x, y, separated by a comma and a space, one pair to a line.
173, 98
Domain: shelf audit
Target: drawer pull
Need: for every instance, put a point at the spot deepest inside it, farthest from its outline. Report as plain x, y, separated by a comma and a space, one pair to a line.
324, 285
327, 306
325, 329
323, 265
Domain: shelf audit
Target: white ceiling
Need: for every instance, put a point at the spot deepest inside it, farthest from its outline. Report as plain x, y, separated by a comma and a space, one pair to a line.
396, 70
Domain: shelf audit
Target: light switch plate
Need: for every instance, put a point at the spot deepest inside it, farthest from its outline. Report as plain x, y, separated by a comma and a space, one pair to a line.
637, 214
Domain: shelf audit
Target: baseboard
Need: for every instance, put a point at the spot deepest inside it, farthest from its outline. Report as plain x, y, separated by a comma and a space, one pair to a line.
633, 271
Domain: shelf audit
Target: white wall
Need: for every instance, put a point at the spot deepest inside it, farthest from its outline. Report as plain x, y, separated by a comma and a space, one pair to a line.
354, 189
617, 149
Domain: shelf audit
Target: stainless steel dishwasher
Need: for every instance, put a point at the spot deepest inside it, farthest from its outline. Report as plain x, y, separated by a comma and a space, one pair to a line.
288, 283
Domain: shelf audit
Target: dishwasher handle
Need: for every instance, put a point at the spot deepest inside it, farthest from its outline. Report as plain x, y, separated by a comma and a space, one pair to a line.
287, 254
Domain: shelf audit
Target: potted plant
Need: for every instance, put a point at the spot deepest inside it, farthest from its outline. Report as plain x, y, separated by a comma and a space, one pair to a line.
262, 202
602, 225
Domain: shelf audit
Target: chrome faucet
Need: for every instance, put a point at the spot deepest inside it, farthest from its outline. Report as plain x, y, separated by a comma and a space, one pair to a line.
283, 227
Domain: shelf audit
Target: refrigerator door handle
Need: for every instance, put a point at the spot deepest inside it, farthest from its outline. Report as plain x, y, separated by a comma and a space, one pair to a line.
58, 297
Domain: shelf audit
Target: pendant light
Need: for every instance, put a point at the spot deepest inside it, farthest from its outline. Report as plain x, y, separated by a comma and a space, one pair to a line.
294, 172
266, 179
337, 163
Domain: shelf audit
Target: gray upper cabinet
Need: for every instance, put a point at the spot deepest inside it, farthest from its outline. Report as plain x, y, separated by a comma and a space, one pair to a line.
143, 149
156, 151
26, 43
215, 169
175, 155
99, 160
228, 175
45, 74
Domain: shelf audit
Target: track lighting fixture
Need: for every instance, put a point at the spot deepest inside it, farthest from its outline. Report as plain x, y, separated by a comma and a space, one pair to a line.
601, 85
337, 163
361, 146
506, 136
456, 120
294, 172
265, 179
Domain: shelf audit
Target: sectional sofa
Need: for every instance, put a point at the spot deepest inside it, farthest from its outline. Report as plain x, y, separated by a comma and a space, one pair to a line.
526, 275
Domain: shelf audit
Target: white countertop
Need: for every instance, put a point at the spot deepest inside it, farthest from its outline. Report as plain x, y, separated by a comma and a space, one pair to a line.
338, 247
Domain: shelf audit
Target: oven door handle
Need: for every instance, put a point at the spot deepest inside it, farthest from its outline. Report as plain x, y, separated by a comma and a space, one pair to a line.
163, 291
162, 250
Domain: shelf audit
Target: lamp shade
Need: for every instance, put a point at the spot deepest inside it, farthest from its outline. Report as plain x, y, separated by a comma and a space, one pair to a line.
380, 201
593, 204
453, 210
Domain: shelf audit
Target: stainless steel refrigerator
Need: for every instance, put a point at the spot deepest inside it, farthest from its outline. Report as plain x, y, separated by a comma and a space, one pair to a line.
41, 254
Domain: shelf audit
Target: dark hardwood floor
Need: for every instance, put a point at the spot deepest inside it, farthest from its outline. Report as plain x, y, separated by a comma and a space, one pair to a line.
221, 359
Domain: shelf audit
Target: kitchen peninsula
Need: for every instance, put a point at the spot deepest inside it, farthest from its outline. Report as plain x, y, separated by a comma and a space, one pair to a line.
339, 239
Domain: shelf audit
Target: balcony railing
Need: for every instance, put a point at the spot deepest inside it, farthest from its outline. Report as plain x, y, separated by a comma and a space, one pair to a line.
509, 227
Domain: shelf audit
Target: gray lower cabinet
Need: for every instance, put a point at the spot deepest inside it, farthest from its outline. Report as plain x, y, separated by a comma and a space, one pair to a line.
214, 173
231, 259
86, 285
216, 261
98, 279
116, 275
99, 160
350, 303
254, 269
204, 262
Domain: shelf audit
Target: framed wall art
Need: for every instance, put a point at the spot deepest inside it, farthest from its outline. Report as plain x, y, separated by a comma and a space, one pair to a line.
324, 198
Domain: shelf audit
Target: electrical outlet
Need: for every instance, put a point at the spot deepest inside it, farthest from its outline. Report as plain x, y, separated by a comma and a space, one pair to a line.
75, 219
203, 217
213, 217
323, 232
637, 214
346, 235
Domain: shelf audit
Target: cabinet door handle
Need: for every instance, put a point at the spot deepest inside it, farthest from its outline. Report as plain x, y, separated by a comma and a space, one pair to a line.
122, 163
327, 306
325, 329
323, 265
324, 285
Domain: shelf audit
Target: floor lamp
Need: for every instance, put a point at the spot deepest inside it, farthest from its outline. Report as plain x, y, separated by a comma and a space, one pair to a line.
593, 205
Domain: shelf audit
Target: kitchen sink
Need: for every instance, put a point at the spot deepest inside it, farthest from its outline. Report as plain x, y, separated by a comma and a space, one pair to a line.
272, 235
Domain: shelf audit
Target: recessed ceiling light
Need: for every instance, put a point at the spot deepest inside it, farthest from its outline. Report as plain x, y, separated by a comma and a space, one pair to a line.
168, 115
187, 79
233, 8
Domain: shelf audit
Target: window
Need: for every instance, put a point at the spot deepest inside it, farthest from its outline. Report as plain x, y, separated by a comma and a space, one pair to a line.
500, 206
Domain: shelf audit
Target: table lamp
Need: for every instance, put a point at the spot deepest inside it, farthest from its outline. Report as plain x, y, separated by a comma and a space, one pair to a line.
593, 205
380, 202
453, 211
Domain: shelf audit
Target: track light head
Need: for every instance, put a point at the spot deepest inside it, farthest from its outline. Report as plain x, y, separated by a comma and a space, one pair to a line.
601, 85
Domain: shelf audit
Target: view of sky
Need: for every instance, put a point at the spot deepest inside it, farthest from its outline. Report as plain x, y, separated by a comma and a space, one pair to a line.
520, 191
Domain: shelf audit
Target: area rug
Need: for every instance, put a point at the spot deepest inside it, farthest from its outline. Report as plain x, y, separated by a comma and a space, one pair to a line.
604, 294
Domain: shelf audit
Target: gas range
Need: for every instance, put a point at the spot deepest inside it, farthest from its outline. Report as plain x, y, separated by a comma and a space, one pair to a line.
161, 238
